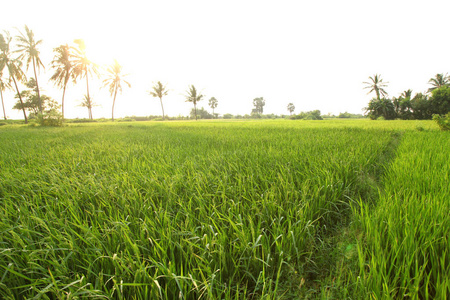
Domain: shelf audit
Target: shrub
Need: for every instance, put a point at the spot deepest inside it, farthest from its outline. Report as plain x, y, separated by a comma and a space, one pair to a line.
442, 121
51, 117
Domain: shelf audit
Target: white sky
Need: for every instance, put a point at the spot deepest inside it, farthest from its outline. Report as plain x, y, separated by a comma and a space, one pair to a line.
315, 54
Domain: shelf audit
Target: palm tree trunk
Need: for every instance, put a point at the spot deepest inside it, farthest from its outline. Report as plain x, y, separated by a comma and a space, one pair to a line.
89, 98
3, 104
213, 112
160, 99
195, 110
114, 102
37, 87
62, 103
21, 102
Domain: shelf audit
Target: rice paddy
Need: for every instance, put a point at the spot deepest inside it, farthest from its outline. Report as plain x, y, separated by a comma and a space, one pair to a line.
271, 209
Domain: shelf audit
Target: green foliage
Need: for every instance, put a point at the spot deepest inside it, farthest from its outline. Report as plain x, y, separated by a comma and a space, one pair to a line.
381, 108
201, 114
51, 117
421, 108
309, 115
227, 116
31, 101
345, 115
440, 100
442, 121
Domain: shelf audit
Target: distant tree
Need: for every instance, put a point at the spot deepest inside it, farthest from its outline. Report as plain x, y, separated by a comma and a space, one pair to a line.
3, 86
290, 108
402, 105
28, 50
159, 90
227, 116
345, 115
381, 108
407, 94
376, 84
88, 103
114, 81
440, 100
213, 103
83, 67
421, 107
63, 66
258, 103
29, 100
440, 80
194, 96
202, 113
309, 115
14, 66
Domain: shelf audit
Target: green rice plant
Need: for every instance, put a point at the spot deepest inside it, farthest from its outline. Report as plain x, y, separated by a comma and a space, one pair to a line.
205, 210
405, 251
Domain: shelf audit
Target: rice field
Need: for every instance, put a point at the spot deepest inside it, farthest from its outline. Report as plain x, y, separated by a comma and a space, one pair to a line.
273, 209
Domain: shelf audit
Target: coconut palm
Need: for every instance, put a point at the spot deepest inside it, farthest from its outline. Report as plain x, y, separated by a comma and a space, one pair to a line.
82, 66
114, 81
193, 96
439, 81
159, 91
213, 103
27, 48
89, 103
407, 94
63, 66
14, 67
376, 84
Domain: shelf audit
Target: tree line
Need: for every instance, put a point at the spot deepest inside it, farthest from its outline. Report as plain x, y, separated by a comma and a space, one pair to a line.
70, 64
421, 106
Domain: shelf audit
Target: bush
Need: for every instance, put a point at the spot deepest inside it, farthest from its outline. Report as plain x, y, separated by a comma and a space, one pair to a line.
442, 121
82, 121
126, 120
51, 117
227, 116
309, 115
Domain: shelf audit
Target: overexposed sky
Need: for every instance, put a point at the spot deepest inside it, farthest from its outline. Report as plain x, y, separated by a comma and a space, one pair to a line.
315, 54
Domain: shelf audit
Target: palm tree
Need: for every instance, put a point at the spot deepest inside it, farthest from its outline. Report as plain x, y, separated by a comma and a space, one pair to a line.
376, 85
114, 81
407, 94
3, 86
14, 67
63, 66
439, 81
82, 66
87, 102
159, 91
291, 108
28, 50
213, 103
194, 97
